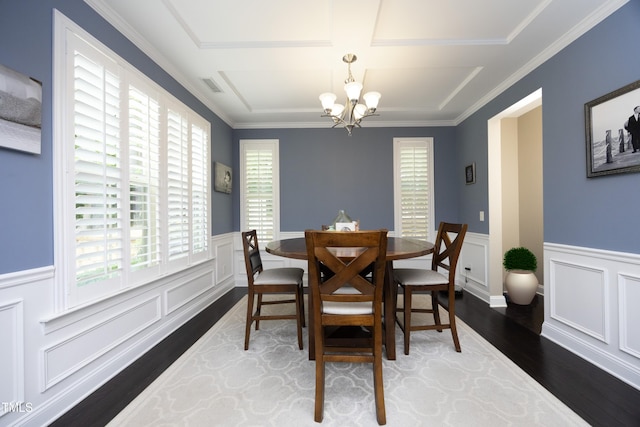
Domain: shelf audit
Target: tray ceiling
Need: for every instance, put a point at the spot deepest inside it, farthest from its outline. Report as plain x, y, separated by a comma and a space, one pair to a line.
262, 64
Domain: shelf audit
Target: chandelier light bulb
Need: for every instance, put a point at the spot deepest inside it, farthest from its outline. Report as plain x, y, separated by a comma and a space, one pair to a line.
327, 99
337, 110
353, 91
371, 99
359, 111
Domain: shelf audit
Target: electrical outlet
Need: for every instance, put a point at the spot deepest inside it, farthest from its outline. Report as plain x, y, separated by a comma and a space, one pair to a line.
481, 215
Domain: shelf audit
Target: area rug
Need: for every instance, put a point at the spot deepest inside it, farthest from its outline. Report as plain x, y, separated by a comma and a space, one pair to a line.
217, 383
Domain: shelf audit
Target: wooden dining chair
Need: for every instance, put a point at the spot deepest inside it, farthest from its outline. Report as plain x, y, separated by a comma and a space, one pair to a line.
274, 281
414, 280
347, 298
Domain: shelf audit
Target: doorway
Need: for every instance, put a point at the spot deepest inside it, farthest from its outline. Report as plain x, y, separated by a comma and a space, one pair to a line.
515, 189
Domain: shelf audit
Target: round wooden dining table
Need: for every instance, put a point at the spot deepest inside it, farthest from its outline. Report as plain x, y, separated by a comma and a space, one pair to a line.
397, 248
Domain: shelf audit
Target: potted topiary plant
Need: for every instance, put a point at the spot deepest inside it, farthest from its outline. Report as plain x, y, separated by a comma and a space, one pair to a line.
520, 281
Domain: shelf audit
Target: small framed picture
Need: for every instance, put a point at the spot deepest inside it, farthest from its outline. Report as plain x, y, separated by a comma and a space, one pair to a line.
470, 173
222, 181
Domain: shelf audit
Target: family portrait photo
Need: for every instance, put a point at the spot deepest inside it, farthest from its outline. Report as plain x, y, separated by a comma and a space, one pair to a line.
613, 132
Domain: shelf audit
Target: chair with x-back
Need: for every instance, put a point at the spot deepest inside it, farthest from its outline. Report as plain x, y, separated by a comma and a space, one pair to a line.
347, 298
414, 280
276, 281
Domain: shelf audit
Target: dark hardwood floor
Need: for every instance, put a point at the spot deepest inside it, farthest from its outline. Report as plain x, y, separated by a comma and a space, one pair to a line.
599, 398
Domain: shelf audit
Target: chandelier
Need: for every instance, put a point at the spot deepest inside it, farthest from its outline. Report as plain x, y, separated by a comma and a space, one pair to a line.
351, 114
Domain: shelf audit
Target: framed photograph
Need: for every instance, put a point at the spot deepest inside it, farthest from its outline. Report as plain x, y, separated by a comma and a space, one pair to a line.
612, 127
222, 181
20, 111
470, 173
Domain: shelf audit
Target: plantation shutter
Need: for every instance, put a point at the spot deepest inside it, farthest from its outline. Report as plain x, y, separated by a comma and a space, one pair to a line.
144, 179
413, 184
132, 170
199, 186
177, 184
97, 174
259, 189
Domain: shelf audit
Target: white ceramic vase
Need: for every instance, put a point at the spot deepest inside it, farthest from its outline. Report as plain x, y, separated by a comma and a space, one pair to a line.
521, 286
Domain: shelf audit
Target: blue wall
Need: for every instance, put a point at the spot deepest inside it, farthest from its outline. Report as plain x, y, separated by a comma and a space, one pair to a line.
26, 191
601, 212
324, 170
597, 212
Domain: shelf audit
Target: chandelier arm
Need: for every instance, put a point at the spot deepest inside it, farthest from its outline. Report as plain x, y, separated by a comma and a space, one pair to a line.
337, 120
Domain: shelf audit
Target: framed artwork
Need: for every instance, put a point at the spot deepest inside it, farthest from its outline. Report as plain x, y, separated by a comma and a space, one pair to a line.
20, 111
222, 182
470, 173
612, 128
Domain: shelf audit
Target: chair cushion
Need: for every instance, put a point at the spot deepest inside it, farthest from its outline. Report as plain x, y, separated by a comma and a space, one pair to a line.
279, 276
334, 307
346, 308
419, 276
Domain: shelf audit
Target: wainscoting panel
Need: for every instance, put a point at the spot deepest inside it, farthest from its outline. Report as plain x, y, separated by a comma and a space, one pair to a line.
629, 314
223, 254
66, 357
11, 353
49, 360
579, 297
475, 258
184, 292
592, 307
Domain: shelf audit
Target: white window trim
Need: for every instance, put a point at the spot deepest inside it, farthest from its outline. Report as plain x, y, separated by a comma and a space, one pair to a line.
63, 191
397, 144
272, 144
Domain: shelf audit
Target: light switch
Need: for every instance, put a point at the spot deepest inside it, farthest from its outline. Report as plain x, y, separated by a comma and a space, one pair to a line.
481, 215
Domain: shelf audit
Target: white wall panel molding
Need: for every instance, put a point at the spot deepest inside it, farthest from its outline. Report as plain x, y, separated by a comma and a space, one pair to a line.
223, 252
579, 296
628, 297
56, 321
592, 306
11, 353
475, 280
183, 293
474, 257
18, 278
53, 360
75, 352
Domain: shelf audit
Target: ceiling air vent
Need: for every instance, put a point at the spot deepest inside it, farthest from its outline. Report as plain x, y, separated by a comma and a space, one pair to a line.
212, 85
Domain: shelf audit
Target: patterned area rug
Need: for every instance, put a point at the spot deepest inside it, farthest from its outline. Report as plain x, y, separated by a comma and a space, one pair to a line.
217, 383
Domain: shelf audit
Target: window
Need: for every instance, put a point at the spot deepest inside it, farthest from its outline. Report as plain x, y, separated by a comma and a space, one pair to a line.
413, 187
260, 188
132, 170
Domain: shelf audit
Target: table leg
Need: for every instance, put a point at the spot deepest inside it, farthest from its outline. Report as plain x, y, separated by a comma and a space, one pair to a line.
311, 328
390, 301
